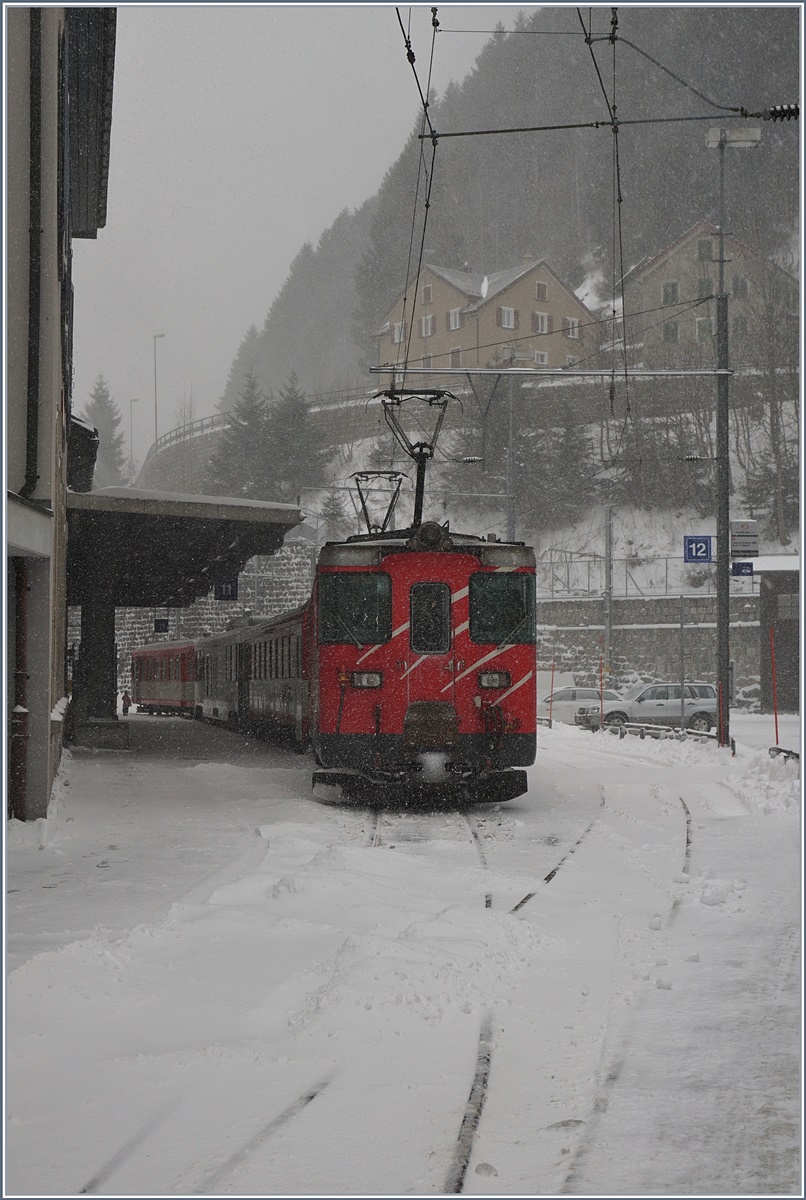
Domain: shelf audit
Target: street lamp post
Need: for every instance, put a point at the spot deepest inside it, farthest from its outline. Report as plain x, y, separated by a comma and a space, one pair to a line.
134, 400
510, 473
718, 139
156, 433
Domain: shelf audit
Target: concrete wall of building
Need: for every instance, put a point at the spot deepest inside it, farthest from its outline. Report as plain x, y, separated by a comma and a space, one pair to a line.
45, 554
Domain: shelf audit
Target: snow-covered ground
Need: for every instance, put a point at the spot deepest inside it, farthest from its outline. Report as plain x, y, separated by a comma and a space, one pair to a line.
220, 986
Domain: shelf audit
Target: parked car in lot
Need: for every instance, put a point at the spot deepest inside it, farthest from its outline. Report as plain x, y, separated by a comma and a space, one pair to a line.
564, 703
656, 704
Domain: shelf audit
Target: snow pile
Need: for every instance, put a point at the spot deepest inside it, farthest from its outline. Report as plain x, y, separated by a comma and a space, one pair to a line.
768, 784
300, 1012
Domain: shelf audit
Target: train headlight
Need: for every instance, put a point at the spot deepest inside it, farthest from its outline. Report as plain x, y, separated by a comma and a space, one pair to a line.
366, 679
494, 679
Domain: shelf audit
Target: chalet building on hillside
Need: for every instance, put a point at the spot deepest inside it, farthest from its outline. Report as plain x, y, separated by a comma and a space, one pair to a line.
523, 317
670, 304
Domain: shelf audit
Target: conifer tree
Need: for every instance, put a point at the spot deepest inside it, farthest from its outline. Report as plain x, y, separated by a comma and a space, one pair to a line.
294, 449
103, 413
240, 465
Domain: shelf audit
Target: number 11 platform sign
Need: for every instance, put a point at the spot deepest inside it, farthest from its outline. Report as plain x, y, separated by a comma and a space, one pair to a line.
697, 548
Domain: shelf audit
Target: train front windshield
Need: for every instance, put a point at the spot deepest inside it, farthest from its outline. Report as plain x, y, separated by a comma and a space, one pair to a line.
355, 606
502, 608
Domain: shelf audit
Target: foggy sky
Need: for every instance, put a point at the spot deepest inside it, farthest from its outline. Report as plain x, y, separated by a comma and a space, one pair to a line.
238, 134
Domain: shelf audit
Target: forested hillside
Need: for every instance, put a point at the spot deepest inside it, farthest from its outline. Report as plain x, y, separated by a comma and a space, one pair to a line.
496, 199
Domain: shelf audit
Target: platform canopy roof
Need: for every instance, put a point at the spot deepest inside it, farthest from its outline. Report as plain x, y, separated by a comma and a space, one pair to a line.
129, 547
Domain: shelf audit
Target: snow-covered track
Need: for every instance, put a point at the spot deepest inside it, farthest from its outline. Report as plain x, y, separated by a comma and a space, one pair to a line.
476, 836
214, 1177
472, 1114
392, 828
124, 1153
571, 850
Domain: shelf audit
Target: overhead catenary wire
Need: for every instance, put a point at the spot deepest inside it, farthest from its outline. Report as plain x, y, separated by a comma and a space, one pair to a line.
408, 326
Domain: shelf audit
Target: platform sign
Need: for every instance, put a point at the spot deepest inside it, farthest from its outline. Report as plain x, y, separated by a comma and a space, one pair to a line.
742, 568
744, 539
697, 548
161, 624
226, 589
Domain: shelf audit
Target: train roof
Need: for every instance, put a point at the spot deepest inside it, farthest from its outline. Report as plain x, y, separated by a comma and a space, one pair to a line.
369, 549
150, 647
253, 626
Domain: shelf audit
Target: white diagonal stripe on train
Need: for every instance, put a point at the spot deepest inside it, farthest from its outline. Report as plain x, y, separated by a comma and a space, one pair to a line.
460, 595
461, 628
514, 688
478, 663
409, 670
396, 633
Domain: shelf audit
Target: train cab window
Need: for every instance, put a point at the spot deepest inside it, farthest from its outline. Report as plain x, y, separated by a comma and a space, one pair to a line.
502, 608
430, 618
355, 606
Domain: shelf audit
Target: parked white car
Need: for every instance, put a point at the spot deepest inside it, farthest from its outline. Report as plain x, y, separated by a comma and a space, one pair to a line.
657, 704
564, 703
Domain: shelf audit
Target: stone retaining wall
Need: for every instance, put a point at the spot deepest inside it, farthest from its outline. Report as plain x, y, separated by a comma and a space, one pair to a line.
646, 631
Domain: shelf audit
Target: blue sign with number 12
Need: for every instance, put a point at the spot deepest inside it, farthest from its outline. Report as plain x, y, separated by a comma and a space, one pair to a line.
697, 549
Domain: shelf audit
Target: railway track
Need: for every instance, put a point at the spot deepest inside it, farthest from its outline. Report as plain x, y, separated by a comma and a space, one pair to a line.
414, 832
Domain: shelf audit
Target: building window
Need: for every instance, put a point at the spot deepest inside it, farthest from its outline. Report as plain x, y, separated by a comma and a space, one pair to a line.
571, 360
507, 318
540, 322
741, 287
704, 250
455, 318
787, 606
571, 327
703, 329
398, 332
428, 293
705, 287
671, 332
427, 362
541, 291
670, 293
541, 358
427, 325
456, 357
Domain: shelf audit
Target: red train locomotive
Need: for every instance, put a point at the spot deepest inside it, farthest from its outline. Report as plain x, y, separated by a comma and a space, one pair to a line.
424, 666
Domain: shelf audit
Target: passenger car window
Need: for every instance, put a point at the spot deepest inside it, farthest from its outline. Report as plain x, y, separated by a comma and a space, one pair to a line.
430, 618
702, 691
502, 608
355, 606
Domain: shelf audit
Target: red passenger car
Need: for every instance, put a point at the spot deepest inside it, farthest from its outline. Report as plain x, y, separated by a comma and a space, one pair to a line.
164, 678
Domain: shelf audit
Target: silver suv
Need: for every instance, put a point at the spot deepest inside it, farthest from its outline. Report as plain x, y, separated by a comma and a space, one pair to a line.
657, 704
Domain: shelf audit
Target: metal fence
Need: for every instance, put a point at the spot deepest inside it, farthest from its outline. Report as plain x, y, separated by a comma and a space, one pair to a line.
564, 577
